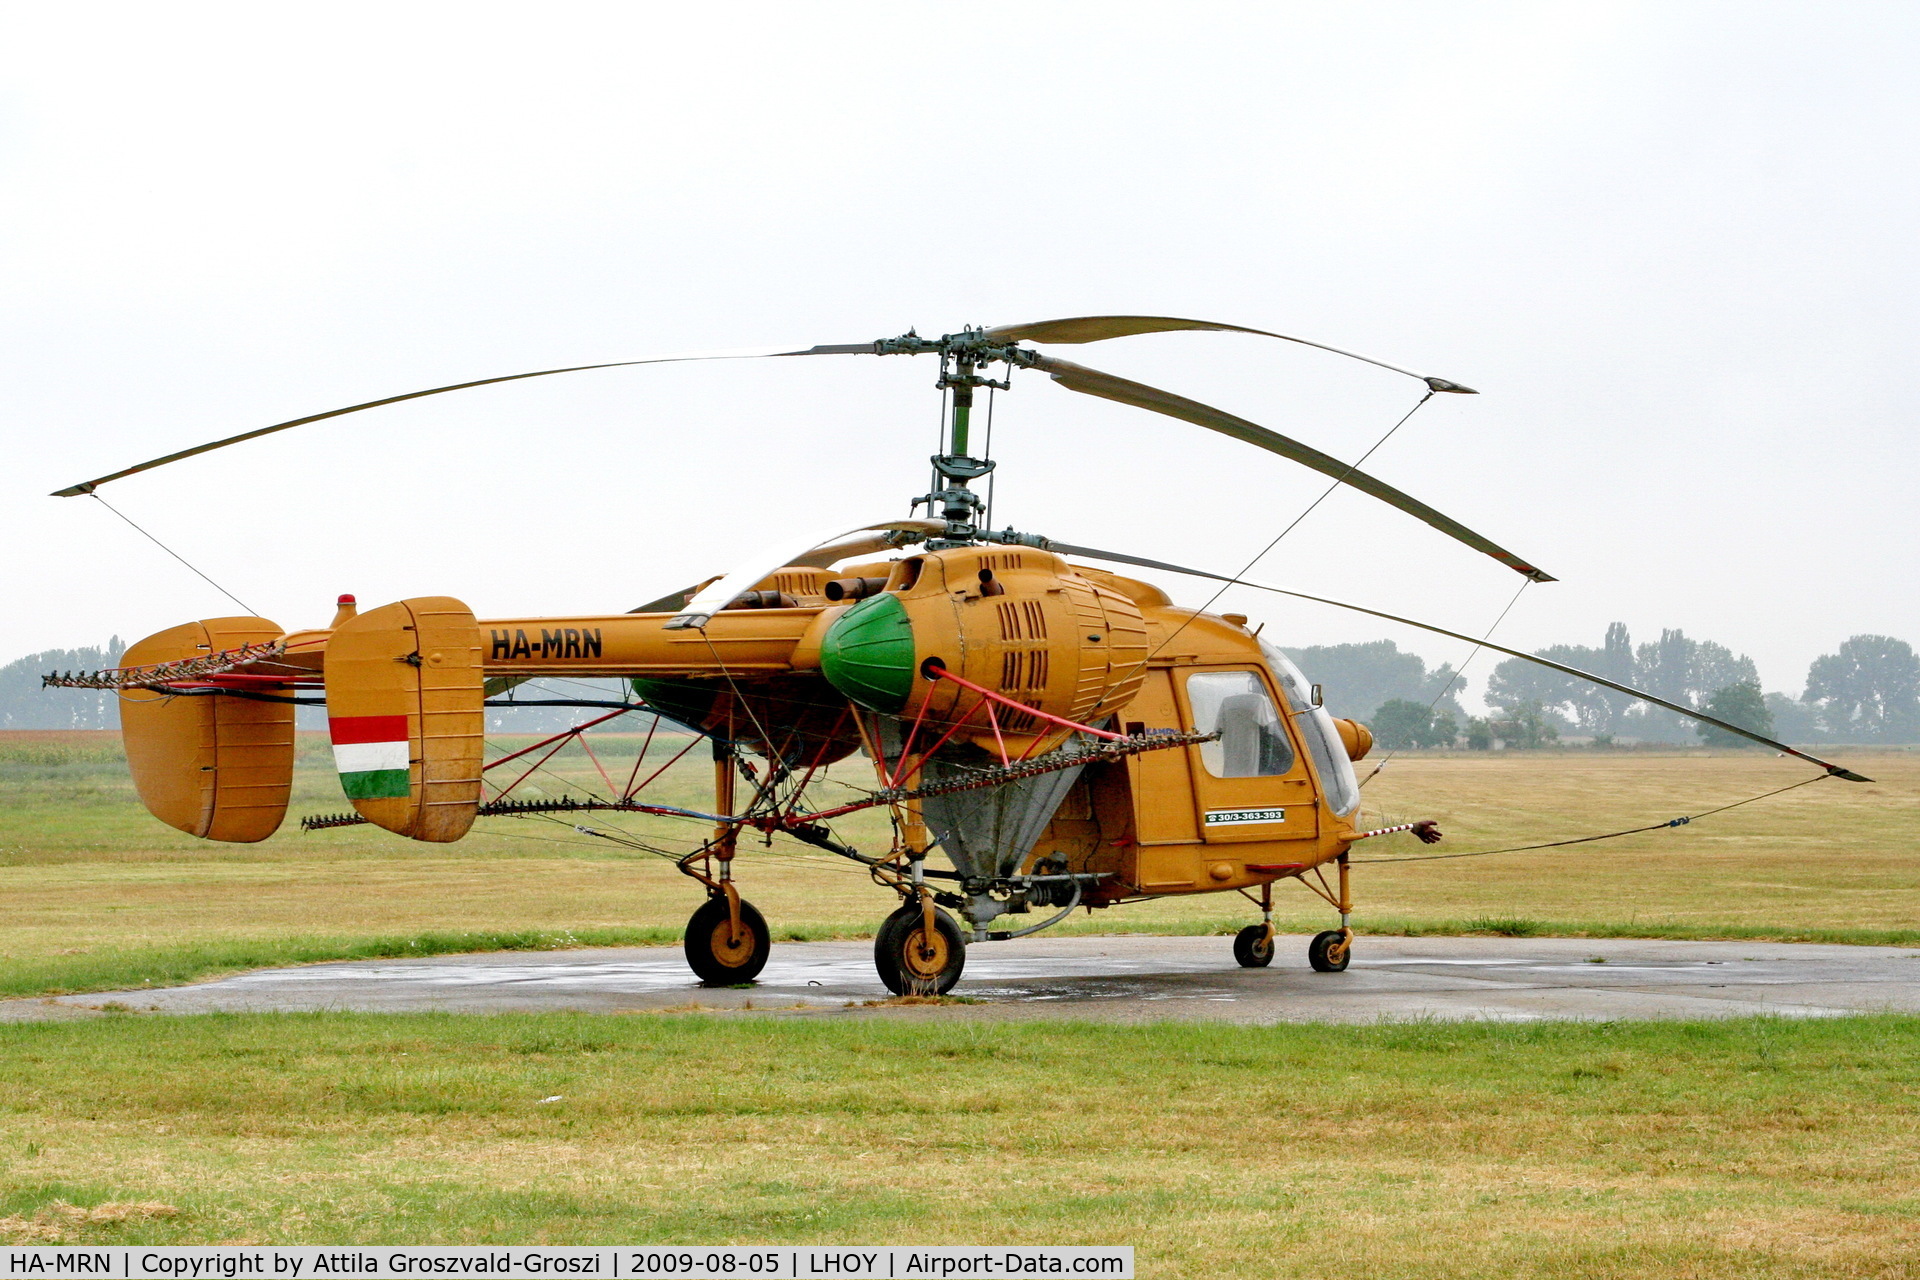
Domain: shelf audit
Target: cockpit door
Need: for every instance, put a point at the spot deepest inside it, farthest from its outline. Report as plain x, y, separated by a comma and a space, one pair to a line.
1251, 784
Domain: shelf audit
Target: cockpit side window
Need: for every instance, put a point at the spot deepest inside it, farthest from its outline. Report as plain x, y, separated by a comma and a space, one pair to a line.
1253, 742
1329, 754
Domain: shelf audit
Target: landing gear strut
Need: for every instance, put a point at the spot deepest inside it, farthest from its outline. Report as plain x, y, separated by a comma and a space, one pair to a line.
727, 942
1330, 951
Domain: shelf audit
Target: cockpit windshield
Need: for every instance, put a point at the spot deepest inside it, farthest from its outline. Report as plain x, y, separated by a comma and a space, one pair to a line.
1329, 754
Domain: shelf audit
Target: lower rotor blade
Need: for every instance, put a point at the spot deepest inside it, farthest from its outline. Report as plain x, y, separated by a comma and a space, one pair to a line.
821, 557
895, 536
744, 353
675, 600
719, 593
1100, 328
1115, 557
1077, 377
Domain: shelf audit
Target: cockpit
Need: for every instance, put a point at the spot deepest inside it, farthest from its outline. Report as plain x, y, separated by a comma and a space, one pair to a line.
1317, 730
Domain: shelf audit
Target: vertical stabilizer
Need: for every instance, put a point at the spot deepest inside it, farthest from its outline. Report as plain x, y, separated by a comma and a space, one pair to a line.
404, 707
214, 765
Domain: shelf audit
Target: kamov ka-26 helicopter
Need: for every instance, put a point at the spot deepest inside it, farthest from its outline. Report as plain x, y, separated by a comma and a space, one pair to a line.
1065, 736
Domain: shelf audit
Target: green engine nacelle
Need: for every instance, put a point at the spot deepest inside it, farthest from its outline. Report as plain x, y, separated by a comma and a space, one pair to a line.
868, 654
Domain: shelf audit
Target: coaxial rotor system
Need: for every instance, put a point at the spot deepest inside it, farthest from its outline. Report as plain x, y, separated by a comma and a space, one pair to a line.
962, 355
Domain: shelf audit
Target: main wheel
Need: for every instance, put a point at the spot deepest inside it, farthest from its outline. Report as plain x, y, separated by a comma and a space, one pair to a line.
1329, 951
715, 956
1252, 947
912, 964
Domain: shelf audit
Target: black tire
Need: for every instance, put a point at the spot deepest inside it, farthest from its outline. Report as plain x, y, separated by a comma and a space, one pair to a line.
1252, 947
1321, 950
897, 953
713, 960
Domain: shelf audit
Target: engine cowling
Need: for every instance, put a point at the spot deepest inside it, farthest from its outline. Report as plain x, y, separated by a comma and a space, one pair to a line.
1018, 621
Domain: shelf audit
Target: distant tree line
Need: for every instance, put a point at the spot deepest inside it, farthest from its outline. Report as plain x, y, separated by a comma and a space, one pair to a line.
1868, 691
1676, 667
25, 704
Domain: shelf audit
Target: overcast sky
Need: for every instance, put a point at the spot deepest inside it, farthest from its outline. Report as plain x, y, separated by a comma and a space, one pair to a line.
1672, 244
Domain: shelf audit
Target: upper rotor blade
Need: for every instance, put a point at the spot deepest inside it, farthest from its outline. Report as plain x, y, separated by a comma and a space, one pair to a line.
1100, 328
1115, 557
743, 353
1076, 377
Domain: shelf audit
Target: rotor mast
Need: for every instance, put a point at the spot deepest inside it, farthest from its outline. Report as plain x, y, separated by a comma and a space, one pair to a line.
961, 356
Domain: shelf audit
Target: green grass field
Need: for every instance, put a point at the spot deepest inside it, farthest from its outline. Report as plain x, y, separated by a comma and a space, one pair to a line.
97, 895
1755, 1148
1743, 1149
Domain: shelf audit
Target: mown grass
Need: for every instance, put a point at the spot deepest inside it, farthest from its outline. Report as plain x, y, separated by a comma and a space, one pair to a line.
1753, 1148
99, 896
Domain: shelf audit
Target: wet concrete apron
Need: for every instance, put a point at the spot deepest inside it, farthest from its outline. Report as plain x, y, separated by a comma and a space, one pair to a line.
1109, 979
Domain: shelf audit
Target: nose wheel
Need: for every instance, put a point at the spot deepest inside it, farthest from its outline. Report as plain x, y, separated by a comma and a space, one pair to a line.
913, 962
1330, 951
719, 955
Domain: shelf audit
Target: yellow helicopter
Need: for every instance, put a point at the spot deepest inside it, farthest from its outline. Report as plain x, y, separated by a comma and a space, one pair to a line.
1064, 736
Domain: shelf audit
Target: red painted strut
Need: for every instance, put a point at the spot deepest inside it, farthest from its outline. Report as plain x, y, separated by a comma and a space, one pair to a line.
941, 673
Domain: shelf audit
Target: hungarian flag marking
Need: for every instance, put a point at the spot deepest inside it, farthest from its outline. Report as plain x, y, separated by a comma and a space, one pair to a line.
370, 753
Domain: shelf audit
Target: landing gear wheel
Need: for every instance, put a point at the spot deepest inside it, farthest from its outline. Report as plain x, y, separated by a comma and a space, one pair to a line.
910, 963
1329, 951
716, 957
1253, 948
